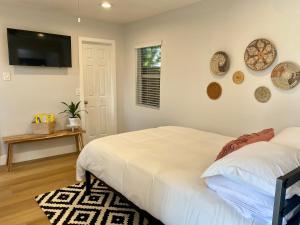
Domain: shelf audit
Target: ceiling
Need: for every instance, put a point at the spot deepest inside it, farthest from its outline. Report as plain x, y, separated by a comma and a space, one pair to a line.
123, 11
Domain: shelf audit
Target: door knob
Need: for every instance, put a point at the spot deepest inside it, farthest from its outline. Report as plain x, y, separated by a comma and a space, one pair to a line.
86, 102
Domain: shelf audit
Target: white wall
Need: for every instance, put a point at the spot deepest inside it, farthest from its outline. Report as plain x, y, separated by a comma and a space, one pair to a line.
190, 36
34, 90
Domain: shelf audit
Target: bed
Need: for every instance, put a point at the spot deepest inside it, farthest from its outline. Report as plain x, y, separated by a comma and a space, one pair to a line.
159, 170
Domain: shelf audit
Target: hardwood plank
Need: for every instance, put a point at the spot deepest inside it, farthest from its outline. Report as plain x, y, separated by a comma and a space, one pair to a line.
19, 187
23, 217
43, 164
32, 172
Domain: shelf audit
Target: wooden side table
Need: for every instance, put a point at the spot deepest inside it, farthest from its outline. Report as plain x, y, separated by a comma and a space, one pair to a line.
17, 139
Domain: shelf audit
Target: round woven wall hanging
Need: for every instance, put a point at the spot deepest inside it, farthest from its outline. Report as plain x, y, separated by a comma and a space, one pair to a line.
219, 63
263, 94
238, 77
260, 54
286, 75
214, 90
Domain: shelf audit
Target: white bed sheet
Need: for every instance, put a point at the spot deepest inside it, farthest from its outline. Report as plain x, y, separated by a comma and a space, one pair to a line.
159, 170
245, 199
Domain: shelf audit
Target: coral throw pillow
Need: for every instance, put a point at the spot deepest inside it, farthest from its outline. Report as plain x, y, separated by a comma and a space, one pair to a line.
265, 135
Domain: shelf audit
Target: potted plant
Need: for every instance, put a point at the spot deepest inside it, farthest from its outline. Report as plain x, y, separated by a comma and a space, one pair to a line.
73, 112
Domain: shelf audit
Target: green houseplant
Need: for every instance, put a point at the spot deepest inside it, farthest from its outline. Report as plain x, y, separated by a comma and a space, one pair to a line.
73, 111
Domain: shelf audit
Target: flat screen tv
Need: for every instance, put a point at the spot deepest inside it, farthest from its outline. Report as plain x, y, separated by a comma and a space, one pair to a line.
28, 48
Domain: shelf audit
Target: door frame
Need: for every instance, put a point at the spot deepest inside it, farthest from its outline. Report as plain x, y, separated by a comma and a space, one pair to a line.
112, 43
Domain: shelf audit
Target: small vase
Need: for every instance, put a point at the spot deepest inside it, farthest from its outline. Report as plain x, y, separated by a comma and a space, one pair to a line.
74, 122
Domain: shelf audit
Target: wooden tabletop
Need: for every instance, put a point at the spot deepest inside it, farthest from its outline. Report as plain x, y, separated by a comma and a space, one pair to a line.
36, 137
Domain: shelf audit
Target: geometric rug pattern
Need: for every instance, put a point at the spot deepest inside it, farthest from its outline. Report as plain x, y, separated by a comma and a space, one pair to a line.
70, 206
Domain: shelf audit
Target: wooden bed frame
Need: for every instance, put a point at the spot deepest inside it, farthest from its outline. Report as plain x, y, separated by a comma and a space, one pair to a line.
282, 207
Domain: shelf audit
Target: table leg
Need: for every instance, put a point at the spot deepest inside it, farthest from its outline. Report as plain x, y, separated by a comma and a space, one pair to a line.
77, 143
9, 157
81, 140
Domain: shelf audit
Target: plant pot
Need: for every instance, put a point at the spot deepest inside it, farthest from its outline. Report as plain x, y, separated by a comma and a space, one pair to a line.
74, 122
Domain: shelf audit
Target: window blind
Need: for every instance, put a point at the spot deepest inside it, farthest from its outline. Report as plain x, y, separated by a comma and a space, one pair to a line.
148, 76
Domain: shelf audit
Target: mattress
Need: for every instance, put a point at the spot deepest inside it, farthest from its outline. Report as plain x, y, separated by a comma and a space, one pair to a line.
159, 170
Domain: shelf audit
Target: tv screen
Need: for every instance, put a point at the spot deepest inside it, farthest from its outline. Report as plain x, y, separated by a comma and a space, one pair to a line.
28, 48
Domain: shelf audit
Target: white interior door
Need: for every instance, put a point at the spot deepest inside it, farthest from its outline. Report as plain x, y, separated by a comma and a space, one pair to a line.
97, 78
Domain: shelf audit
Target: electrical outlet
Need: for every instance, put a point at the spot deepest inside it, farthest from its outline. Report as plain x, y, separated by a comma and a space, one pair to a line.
77, 92
6, 76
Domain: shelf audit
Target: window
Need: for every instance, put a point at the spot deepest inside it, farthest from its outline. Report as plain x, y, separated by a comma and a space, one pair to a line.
148, 76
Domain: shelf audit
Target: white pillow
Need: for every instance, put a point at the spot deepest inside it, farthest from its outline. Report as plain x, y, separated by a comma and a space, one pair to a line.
258, 165
246, 200
289, 137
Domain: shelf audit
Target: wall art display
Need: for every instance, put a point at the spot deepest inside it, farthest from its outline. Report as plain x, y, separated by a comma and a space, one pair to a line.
263, 94
260, 54
220, 63
286, 75
238, 77
214, 90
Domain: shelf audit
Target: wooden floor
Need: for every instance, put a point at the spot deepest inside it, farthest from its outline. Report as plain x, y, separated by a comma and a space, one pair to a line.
19, 187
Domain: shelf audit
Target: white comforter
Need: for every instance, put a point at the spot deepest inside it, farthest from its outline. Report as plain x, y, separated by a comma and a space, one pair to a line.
159, 170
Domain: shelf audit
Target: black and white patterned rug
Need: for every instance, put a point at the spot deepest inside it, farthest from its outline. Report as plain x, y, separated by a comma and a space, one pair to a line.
70, 206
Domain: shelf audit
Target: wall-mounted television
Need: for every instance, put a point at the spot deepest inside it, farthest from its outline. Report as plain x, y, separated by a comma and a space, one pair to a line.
29, 48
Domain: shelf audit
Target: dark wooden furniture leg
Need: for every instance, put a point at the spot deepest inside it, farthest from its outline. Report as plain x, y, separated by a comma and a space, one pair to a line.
87, 183
9, 157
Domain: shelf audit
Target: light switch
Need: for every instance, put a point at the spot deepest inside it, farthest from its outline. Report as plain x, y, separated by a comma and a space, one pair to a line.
77, 92
6, 76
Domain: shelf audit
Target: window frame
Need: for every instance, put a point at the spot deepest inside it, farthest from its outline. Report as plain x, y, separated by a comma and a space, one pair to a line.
148, 45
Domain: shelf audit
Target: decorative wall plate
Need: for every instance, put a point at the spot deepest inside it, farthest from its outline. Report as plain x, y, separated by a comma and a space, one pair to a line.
238, 77
214, 90
260, 54
219, 63
263, 94
286, 75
